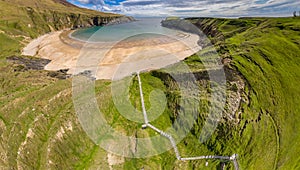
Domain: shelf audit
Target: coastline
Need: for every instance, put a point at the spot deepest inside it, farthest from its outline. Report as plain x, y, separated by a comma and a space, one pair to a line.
109, 60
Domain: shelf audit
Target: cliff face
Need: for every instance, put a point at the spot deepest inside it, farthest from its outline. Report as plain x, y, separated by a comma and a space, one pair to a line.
265, 52
180, 24
32, 18
57, 20
200, 26
100, 21
120, 20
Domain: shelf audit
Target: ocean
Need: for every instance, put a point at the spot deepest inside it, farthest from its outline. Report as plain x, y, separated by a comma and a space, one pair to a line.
140, 29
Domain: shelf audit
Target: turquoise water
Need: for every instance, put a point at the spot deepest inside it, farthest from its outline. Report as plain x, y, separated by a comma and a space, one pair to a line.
136, 29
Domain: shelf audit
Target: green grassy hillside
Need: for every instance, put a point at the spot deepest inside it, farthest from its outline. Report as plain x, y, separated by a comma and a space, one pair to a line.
39, 128
266, 52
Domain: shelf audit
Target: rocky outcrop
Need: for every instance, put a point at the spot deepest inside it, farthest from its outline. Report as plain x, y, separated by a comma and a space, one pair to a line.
181, 24
60, 74
25, 63
34, 18
186, 26
56, 20
101, 21
203, 27
121, 20
28, 63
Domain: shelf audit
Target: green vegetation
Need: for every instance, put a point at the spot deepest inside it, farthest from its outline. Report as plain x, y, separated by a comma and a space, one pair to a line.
172, 18
39, 128
30, 18
266, 52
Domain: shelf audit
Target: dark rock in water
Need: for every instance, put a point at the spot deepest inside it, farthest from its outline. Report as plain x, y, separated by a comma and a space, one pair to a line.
28, 63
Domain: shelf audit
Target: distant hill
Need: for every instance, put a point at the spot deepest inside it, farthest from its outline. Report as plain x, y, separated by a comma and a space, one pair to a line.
40, 2
64, 2
50, 4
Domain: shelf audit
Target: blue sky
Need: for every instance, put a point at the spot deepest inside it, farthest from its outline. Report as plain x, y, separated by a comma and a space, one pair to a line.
197, 8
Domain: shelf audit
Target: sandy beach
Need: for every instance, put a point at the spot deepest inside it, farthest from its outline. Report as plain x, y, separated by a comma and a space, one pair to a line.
111, 60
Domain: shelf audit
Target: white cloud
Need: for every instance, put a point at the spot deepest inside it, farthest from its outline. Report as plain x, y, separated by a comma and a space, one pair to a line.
84, 1
196, 7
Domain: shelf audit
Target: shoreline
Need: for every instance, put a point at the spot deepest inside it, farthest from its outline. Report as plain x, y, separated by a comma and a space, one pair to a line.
113, 60
180, 34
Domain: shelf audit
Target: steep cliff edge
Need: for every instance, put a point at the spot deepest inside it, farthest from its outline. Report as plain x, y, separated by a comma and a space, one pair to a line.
265, 52
180, 24
33, 18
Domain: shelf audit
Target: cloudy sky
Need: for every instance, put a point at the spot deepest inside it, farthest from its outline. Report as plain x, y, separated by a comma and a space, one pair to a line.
215, 8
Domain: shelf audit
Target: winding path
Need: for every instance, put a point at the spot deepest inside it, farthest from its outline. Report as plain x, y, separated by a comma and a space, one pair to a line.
232, 158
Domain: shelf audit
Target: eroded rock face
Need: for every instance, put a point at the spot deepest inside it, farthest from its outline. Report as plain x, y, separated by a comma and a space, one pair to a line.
121, 20
101, 21
29, 63
182, 25
46, 17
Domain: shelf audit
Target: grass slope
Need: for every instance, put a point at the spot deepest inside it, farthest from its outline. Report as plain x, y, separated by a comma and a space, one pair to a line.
266, 52
30, 18
272, 70
39, 128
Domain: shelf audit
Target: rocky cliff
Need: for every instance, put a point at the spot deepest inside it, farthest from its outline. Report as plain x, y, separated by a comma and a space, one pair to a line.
121, 20
32, 17
180, 24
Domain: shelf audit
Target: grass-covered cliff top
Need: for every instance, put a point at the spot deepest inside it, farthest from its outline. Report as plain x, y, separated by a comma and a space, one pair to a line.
55, 5
266, 51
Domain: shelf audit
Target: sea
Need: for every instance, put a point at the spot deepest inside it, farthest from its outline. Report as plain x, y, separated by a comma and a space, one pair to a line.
140, 29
